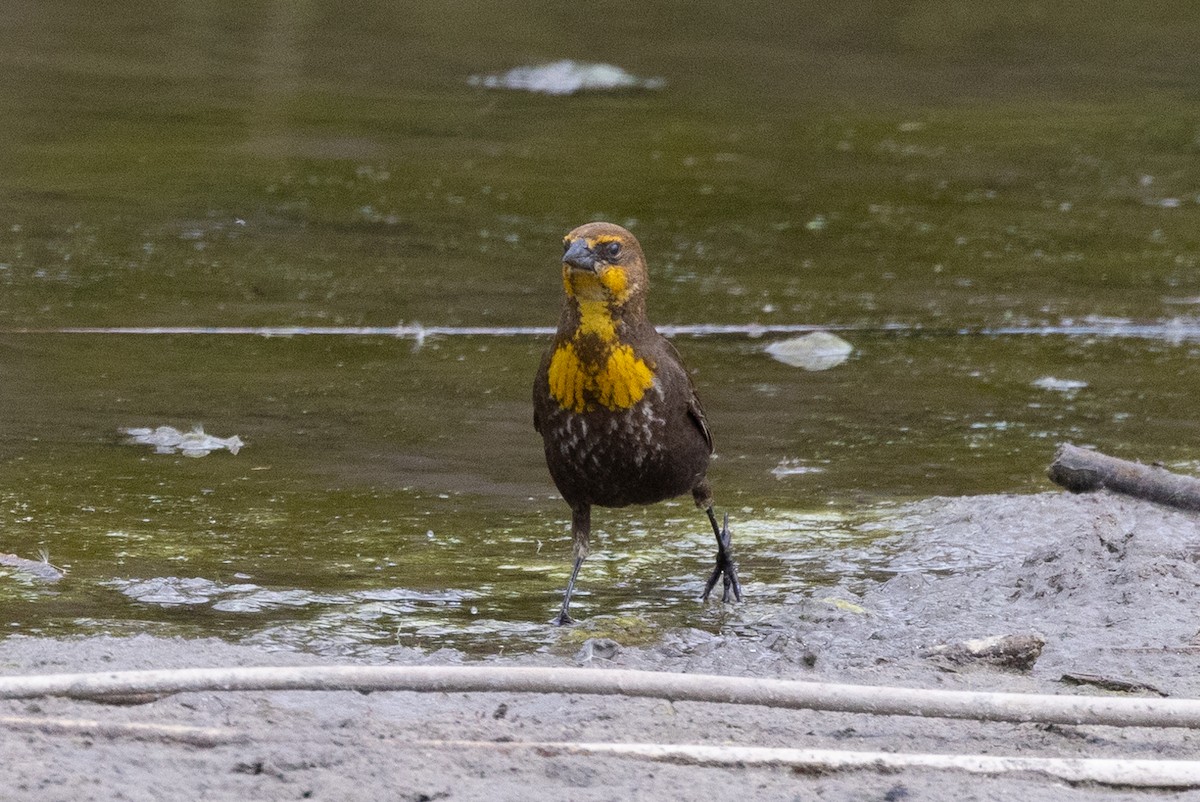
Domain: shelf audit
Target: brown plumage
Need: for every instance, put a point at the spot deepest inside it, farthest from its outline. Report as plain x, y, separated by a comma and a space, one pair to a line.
614, 404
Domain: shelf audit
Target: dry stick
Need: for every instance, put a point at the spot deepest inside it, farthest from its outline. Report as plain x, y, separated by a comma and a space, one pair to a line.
874, 700
1109, 771
195, 736
1082, 470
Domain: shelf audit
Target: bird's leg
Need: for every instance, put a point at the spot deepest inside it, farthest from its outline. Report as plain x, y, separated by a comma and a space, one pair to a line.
725, 567
563, 616
581, 529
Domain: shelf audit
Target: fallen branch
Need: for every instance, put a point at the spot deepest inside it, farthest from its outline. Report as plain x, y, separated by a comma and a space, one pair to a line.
1175, 774
1110, 683
788, 694
195, 736
1082, 470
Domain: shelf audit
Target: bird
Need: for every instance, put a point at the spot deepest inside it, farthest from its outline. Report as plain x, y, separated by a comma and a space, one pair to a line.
616, 408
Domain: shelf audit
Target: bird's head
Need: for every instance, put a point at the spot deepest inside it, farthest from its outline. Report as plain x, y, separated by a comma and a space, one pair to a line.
604, 262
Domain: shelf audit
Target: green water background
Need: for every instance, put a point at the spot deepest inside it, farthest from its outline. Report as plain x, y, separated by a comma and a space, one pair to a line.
916, 171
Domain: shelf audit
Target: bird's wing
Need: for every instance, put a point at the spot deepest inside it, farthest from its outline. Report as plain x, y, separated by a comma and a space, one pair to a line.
696, 413
541, 389
694, 409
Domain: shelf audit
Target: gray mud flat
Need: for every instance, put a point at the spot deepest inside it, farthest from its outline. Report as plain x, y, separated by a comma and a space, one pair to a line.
1112, 584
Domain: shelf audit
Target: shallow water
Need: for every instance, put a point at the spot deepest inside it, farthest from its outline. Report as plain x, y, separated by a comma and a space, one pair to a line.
1001, 226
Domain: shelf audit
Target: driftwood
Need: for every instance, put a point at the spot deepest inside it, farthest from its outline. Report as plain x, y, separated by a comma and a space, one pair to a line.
179, 733
1133, 711
1081, 470
1121, 772
1016, 652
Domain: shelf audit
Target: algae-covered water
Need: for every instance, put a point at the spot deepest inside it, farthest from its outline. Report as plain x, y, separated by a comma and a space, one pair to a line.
997, 207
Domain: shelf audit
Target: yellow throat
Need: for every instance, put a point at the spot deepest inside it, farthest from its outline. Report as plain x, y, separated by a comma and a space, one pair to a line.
593, 368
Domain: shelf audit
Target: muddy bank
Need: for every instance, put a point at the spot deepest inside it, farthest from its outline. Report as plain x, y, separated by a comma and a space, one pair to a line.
1111, 584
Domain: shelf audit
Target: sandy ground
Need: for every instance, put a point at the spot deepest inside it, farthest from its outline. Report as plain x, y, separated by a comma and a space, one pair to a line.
1112, 584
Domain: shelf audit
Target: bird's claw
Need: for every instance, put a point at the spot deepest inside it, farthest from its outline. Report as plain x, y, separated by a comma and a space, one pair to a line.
725, 569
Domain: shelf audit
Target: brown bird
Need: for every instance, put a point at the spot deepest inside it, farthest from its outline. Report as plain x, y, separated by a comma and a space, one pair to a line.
614, 404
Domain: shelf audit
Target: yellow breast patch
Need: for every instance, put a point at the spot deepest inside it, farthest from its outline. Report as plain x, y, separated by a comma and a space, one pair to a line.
616, 382
612, 375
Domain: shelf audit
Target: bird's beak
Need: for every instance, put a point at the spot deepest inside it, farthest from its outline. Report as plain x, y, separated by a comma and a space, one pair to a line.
580, 256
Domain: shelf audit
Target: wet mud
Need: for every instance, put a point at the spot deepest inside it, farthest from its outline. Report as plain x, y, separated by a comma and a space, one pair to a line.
1111, 585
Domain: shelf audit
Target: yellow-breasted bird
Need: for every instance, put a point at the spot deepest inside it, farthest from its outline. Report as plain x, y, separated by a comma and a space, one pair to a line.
614, 404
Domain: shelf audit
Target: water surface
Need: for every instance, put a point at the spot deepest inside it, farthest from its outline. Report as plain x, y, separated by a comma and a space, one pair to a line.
935, 181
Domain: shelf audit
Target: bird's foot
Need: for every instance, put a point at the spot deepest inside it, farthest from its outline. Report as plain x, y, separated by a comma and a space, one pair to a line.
725, 569
562, 619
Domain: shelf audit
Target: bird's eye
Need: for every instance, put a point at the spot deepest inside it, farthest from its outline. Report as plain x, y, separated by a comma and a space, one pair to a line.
566, 245
612, 250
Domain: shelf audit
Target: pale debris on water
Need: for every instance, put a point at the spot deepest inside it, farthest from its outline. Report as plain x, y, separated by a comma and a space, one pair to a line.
169, 440
819, 350
566, 77
794, 467
37, 569
248, 597
1067, 386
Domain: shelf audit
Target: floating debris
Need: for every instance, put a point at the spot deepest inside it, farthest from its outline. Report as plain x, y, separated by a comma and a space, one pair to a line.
794, 467
566, 77
38, 569
247, 597
817, 351
1066, 386
171, 591
243, 597
169, 440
